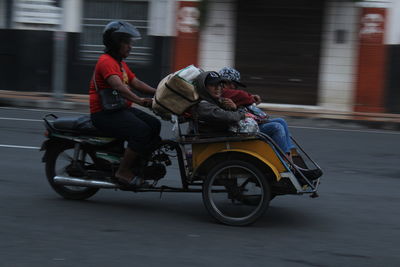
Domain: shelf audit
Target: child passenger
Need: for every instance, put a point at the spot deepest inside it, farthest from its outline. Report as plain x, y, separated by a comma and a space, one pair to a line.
211, 115
276, 128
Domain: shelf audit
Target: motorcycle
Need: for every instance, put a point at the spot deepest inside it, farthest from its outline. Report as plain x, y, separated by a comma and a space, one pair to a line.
237, 174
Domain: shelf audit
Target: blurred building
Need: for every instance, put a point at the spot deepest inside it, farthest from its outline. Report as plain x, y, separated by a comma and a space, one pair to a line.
339, 54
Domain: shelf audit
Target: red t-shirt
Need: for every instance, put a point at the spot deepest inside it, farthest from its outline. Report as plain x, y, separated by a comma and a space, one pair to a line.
239, 97
105, 67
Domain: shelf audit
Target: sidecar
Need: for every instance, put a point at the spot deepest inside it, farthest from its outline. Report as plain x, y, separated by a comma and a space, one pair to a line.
241, 173
238, 174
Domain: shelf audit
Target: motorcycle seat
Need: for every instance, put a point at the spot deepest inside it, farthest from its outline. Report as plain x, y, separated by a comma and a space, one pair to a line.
77, 124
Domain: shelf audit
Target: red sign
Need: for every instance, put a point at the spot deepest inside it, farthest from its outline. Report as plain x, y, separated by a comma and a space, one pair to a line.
371, 61
187, 40
372, 25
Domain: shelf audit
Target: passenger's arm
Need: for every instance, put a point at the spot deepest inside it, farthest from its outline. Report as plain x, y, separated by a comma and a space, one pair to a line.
257, 98
228, 104
142, 86
115, 82
212, 113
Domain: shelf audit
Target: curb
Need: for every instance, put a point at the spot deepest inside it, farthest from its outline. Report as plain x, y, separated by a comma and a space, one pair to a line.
43, 104
370, 120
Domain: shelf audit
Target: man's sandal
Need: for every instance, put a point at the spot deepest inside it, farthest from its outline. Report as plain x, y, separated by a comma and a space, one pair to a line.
135, 183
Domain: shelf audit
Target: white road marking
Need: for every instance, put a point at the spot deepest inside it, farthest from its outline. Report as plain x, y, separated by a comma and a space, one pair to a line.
23, 147
18, 119
45, 110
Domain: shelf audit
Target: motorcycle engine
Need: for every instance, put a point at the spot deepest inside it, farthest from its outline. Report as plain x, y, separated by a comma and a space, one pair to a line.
155, 171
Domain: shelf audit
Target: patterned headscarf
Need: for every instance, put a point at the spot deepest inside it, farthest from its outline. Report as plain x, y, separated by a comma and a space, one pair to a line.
231, 74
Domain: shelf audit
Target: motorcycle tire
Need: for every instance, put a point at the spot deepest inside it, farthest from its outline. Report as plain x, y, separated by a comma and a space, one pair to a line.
257, 204
67, 192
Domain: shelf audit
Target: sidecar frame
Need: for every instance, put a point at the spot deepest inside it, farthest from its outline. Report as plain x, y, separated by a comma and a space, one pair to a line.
240, 145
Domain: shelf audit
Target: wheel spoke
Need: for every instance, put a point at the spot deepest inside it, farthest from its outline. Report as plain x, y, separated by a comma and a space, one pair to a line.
61, 170
60, 162
231, 204
234, 192
65, 156
244, 183
65, 160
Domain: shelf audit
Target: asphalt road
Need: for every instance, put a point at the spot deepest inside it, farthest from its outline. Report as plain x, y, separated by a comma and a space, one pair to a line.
354, 222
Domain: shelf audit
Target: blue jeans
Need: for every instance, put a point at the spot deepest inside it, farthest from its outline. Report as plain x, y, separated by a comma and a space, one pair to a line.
278, 130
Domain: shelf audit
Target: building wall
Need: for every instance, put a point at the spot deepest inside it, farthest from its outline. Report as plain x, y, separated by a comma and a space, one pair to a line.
339, 56
393, 25
217, 37
162, 17
3, 13
72, 15
32, 69
26, 60
392, 82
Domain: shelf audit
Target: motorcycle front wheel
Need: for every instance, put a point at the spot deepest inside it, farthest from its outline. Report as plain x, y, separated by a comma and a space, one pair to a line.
60, 163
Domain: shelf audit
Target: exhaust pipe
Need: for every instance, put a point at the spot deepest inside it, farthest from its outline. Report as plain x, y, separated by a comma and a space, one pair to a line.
74, 181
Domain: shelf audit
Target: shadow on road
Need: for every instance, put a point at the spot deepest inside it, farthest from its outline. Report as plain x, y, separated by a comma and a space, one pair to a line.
178, 209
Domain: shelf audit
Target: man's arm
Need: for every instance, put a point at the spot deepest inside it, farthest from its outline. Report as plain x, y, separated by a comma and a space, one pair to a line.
213, 114
142, 86
115, 82
228, 104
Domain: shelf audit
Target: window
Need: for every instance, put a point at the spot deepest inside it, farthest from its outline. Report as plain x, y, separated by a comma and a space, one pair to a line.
98, 13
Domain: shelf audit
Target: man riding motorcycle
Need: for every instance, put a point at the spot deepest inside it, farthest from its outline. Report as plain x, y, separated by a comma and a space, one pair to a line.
138, 128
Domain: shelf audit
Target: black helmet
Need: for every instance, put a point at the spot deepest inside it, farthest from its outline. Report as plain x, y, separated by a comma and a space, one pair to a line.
117, 29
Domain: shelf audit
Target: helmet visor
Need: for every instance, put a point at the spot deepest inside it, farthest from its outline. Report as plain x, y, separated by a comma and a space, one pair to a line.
128, 29
128, 40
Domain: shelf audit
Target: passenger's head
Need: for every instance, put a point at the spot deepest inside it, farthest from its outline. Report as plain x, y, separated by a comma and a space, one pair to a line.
214, 83
118, 37
232, 76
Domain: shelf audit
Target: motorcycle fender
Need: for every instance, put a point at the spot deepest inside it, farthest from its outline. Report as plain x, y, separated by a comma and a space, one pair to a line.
44, 145
47, 145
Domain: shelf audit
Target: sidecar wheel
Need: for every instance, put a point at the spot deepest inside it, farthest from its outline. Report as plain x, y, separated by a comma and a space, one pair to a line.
59, 158
236, 192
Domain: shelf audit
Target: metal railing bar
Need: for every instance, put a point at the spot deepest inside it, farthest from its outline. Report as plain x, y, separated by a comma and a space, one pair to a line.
101, 25
109, 19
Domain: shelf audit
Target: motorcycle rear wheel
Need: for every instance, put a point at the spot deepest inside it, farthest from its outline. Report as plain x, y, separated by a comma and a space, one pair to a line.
60, 156
236, 192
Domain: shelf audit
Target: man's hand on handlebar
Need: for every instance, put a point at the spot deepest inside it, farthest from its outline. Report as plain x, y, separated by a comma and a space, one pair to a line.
147, 102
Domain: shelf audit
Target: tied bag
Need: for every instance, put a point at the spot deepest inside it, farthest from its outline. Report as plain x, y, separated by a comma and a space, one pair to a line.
176, 93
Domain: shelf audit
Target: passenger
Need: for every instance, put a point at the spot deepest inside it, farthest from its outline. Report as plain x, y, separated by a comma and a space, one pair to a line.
210, 112
276, 128
138, 128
